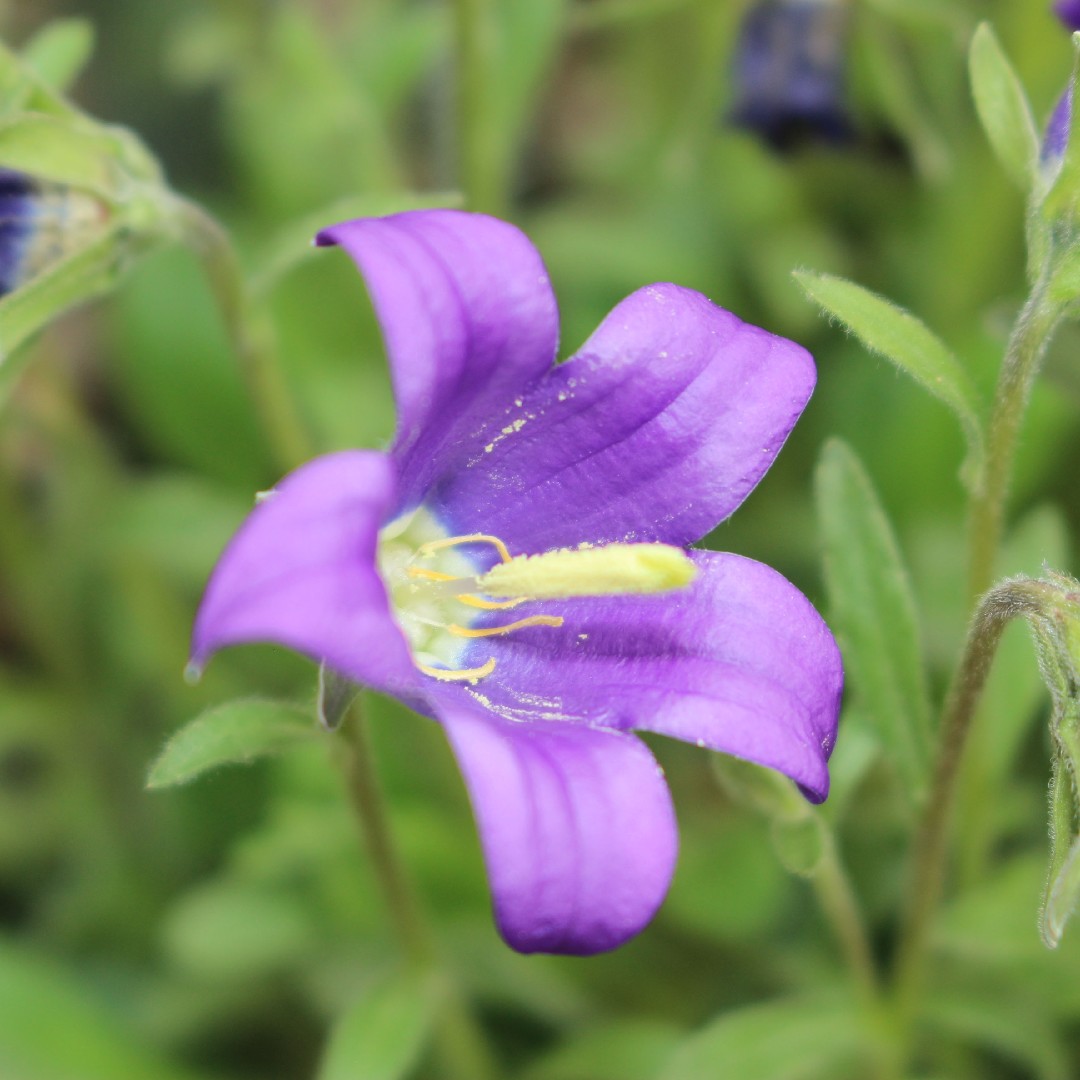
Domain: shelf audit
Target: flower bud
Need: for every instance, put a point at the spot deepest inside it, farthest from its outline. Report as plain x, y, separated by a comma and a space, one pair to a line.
40, 224
790, 73
1068, 11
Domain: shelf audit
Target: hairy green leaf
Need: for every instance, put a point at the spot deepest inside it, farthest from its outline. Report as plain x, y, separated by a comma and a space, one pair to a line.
238, 732
873, 613
1003, 107
897, 335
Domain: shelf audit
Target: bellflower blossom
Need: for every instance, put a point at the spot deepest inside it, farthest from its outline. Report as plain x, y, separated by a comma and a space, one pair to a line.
403, 571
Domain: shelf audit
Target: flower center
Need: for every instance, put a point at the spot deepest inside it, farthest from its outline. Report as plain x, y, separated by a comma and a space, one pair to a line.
437, 592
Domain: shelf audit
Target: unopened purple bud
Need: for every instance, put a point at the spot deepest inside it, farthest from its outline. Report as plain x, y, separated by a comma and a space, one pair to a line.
790, 73
40, 223
1056, 138
1068, 11
16, 226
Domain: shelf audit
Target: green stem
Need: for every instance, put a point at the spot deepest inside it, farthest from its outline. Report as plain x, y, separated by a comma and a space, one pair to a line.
476, 37
841, 909
999, 606
460, 1044
252, 337
1026, 347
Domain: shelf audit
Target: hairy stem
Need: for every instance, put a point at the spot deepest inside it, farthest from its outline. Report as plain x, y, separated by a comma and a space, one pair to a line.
1026, 347
998, 607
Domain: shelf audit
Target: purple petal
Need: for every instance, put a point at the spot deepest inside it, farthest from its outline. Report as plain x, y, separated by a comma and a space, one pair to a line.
740, 662
576, 824
657, 430
1068, 11
301, 572
468, 316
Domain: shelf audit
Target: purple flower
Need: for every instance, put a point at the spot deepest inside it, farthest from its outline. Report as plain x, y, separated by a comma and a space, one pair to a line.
1068, 11
377, 564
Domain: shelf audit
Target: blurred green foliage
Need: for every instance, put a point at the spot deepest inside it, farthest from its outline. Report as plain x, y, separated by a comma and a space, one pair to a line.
221, 930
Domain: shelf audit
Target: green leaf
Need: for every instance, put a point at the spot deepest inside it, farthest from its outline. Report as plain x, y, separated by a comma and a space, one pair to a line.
238, 931
84, 274
990, 1013
238, 732
630, 1049
53, 1028
383, 1034
1003, 107
897, 335
22, 89
794, 1039
60, 51
1063, 886
55, 149
873, 613
800, 845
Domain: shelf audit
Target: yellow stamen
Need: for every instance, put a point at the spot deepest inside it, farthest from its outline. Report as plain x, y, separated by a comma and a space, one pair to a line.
458, 674
465, 598
498, 631
428, 575
490, 605
473, 538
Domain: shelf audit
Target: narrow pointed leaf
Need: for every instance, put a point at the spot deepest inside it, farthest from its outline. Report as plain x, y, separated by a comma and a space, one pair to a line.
53, 148
88, 272
238, 732
60, 51
1063, 880
382, 1036
897, 335
22, 89
1003, 107
873, 612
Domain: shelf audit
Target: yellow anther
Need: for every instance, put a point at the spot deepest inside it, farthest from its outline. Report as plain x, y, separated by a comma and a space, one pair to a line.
428, 575
490, 605
458, 674
498, 631
473, 538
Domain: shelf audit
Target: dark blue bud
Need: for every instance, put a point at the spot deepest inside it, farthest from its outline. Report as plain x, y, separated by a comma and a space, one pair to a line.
1068, 11
16, 226
1058, 127
40, 223
790, 73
